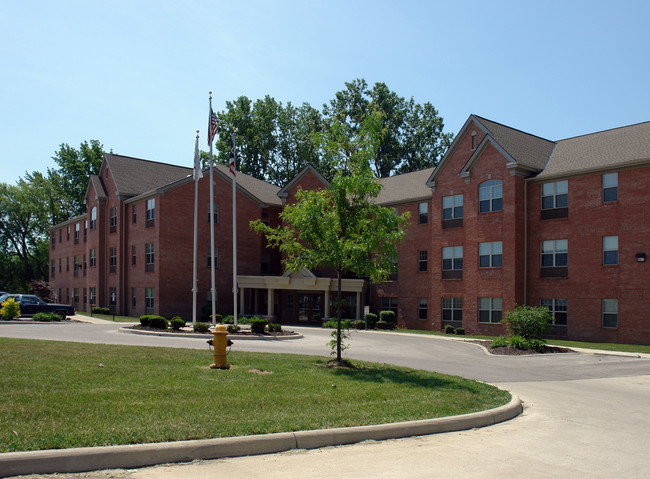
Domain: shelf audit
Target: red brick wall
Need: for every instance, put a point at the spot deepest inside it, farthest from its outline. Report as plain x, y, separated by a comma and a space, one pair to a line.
589, 281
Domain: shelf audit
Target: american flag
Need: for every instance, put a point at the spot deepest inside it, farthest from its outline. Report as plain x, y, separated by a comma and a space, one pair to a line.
212, 127
232, 155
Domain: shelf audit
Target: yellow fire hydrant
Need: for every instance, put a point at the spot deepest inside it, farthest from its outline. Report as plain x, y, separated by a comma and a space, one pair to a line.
220, 343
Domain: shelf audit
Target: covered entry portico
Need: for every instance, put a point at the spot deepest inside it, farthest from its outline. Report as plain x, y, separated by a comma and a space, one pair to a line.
307, 297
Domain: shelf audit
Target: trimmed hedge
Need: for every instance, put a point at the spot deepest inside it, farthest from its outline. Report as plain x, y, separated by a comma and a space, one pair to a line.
258, 325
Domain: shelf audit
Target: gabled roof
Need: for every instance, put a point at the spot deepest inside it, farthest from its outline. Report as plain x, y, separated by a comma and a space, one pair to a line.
134, 176
609, 149
265, 192
404, 188
284, 192
521, 150
98, 186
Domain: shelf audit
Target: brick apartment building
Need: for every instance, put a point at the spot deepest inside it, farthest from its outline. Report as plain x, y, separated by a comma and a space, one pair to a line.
506, 218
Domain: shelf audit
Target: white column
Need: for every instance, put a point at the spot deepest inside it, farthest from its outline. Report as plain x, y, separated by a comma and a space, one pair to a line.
241, 300
358, 305
327, 305
269, 302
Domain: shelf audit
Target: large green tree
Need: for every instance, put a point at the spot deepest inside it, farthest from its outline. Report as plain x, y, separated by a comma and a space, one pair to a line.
413, 133
341, 226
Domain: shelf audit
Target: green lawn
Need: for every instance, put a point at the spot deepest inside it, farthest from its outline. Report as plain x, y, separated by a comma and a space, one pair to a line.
631, 348
59, 395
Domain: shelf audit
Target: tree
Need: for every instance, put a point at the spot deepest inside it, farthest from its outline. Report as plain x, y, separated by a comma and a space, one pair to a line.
340, 226
412, 137
70, 180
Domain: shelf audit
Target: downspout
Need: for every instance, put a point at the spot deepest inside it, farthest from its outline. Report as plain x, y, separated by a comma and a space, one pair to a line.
526, 241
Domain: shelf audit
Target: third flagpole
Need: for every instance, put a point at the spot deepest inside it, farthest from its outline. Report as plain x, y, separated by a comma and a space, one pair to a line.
233, 169
212, 127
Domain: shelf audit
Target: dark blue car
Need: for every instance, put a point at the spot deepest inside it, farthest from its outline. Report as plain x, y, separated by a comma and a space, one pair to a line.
31, 304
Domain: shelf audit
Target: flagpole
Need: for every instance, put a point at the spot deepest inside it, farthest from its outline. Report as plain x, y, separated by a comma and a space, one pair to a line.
213, 294
233, 168
196, 210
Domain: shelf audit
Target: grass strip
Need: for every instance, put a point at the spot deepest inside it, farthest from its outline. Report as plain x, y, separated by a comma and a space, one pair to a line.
60, 395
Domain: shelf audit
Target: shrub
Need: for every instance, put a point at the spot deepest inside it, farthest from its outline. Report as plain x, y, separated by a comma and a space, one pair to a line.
201, 327
105, 311
345, 324
274, 327
460, 331
537, 345
158, 322
359, 324
46, 317
177, 323
518, 342
258, 325
500, 342
371, 319
231, 328
228, 319
529, 322
382, 325
96, 310
144, 320
10, 309
449, 329
388, 317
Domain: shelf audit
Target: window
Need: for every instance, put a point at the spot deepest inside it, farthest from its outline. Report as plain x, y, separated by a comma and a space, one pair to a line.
53, 270
148, 299
67, 264
93, 258
151, 212
216, 258
59, 265
216, 213
610, 187
489, 310
148, 257
423, 210
423, 309
610, 249
265, 217
452, 207
85, 231
113, 219
134, 255
85, 296
555, 195
112, 260
53, 240
389, 304
77, 228
423, 261
93, 218
490, 196
557, 308
68, 234
452, 258
610, 313
489, 255
133, 297
265, 263
85, 265
554, 253
134, 214
76, 266
452, 309
93, 295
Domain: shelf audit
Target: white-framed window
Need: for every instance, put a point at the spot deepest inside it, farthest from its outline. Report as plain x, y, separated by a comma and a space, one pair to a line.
555, 253
216, 213
216, 258
423, 309
610, 187
93, 218
555, 195
112, 296
133, 297
112, 260
93, 258
134, 213
557, 308
490, 254
148, 299
610, 250
151, 212
77, 229
389, 304
112, 222
452, 207
489, 310
452, 258
490, 195
93, 295
148, 257
423, 211
423, 261
452, 309
610, 313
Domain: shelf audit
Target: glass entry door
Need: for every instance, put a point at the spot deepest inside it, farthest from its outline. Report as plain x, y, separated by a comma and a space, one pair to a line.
309, 307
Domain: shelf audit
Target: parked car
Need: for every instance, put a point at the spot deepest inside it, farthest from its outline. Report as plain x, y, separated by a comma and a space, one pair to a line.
31, 304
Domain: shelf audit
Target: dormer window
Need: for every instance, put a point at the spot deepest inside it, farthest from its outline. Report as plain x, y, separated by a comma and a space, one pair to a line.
473, 140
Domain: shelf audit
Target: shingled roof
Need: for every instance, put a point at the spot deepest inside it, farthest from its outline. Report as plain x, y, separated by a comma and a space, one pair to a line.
134, 176
526, 149
616, 148
405, 188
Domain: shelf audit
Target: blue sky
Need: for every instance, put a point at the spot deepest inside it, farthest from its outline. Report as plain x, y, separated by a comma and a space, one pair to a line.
135, 74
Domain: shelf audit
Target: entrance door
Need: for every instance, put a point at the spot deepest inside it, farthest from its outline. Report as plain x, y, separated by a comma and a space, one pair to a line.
309, 307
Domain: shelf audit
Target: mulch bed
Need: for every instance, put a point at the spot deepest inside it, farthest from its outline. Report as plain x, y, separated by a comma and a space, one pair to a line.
184, 331
502, 351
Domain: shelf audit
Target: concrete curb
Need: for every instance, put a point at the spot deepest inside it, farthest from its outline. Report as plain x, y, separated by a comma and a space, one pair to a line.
142, 455
206, 336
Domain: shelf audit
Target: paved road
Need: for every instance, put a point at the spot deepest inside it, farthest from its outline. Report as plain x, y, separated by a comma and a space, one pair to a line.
586, 415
